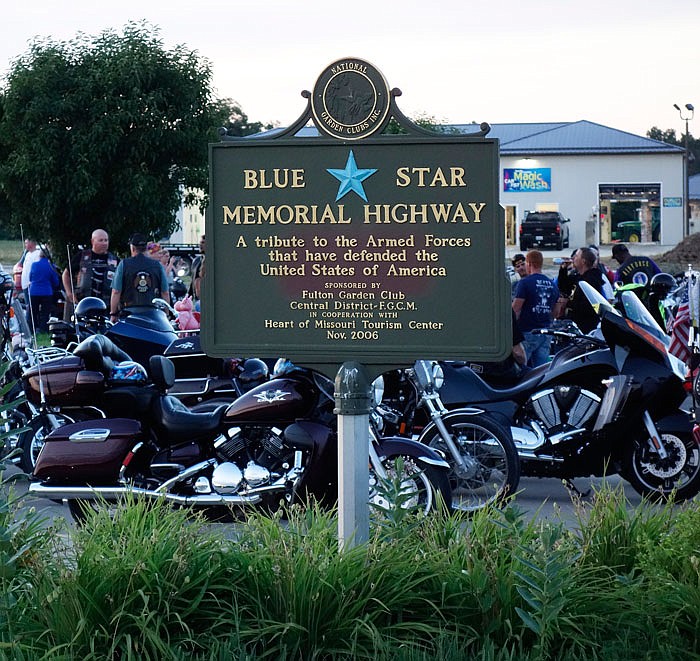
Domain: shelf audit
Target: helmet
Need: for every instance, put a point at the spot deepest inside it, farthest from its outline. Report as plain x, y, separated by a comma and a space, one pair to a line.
253, 372
91, 306
130, 371
662, 284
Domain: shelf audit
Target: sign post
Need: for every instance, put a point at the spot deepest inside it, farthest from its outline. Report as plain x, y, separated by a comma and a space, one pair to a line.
356, 246
352, 400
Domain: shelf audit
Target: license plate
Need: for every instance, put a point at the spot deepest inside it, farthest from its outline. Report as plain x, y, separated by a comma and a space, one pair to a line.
539, 238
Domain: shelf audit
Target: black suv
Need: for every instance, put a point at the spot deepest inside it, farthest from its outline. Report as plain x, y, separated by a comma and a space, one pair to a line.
544, 228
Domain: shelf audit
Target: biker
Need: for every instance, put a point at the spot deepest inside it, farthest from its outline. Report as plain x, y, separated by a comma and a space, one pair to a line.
638, 270
535, 296
572, 303
92, 271
138, 279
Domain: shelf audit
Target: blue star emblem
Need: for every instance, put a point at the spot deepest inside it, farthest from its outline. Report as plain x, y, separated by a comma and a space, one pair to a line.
351, 178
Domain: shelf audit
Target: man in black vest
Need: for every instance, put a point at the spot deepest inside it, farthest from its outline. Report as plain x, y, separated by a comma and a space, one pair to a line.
138, 279
90, 274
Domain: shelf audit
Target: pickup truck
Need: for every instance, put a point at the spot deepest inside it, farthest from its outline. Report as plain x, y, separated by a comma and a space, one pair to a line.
544, 228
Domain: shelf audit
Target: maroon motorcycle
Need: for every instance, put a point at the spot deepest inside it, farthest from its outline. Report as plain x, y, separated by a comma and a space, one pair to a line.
56, 396
275, 443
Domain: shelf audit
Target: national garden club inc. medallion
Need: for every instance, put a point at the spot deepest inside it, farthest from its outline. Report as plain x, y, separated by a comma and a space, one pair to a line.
350, 99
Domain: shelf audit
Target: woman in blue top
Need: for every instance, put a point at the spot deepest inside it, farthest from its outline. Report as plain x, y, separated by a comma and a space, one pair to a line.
43, 281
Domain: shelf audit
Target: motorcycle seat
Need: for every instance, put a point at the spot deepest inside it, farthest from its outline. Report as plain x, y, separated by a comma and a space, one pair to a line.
100, 354
524, 387
178, 423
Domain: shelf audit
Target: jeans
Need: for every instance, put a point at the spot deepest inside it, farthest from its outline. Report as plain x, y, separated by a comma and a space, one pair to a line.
536, 348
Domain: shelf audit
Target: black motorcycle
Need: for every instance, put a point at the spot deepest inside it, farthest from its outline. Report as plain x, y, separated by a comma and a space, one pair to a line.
601, 406
277, 442
484, 466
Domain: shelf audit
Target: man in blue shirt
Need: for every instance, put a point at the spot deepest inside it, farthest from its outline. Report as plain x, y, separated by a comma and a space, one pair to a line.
535, 297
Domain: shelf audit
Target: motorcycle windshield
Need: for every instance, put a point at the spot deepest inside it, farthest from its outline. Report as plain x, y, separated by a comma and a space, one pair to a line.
636, 311
598, 302
633, 308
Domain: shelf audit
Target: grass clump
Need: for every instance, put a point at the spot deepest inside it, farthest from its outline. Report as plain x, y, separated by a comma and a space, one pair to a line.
149, 582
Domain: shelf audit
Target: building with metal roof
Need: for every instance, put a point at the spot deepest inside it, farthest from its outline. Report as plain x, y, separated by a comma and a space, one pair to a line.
613, 185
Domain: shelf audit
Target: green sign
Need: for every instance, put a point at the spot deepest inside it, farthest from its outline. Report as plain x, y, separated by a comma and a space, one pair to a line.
380, 250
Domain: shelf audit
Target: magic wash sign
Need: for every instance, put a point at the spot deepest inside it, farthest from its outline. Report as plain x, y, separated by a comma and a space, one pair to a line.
527, 180
378, 249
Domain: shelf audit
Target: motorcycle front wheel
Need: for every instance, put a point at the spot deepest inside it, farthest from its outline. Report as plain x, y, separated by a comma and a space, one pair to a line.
423, 487
677, 476
491, 470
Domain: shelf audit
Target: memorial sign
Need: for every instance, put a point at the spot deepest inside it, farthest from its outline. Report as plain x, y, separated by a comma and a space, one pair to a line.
356, 246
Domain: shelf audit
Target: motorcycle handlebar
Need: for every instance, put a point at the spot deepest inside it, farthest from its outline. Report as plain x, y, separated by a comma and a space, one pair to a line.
570, 336
164, 305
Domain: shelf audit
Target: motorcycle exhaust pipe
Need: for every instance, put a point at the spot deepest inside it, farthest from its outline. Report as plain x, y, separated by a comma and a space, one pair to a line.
114, 493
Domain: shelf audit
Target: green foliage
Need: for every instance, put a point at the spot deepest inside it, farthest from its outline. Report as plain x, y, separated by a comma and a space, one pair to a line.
669, 136
612, 533
424, 121
149, 582
105, 131
237, 122
144, 582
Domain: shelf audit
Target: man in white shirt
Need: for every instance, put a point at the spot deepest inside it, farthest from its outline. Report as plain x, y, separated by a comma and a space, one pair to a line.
32, 255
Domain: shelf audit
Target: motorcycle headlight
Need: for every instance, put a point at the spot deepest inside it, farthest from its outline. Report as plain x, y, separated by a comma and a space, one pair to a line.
377, 390
438, 376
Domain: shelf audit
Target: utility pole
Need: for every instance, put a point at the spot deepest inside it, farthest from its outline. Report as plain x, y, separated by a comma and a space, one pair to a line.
686, 179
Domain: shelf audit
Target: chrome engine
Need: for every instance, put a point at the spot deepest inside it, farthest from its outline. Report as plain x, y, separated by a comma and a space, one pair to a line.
254, 459
564, 407
250, 466
553, 416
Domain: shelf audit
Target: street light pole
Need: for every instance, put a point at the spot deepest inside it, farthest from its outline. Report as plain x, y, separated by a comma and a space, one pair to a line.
686, 179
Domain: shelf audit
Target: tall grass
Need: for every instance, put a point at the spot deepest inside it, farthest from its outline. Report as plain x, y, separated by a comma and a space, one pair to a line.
153, 583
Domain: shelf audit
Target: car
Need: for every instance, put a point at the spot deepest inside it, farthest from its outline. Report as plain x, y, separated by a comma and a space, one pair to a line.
544, 228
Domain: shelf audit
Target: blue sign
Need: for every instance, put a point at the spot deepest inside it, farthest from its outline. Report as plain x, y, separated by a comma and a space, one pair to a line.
532, 180
673, 201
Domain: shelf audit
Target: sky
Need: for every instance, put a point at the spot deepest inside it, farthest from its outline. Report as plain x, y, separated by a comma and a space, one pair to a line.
620, 63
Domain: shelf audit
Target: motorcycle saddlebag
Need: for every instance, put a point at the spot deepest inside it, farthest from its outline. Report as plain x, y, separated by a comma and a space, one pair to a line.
65, 381
89, 452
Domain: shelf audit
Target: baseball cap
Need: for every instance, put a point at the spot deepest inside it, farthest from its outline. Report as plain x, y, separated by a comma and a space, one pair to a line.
138, 239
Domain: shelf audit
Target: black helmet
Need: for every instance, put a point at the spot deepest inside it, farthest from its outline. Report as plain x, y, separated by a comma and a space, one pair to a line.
254, 372
91, 307
662, 283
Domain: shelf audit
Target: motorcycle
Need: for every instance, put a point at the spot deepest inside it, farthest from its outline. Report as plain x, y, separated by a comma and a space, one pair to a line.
601, 406
484, 466
277, 442
63, 387
145, 330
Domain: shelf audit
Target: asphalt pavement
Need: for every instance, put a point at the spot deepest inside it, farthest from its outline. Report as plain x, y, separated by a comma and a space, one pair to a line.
539, 498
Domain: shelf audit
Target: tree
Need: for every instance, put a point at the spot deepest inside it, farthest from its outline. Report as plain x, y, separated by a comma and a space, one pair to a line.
427, 122
669, 136
237, 123
109, 131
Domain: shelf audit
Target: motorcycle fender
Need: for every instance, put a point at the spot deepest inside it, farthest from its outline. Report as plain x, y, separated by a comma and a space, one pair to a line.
91, 451
494, 415
398, 445
678, 423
